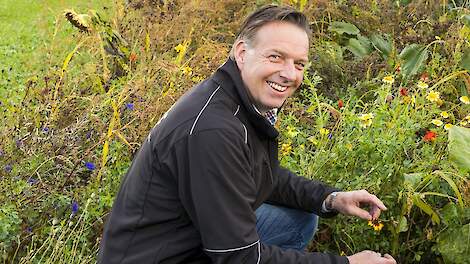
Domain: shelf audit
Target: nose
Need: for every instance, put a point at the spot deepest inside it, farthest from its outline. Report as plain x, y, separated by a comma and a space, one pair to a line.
288, 71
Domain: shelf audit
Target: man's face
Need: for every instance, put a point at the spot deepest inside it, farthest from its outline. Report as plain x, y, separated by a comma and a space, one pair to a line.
272, 65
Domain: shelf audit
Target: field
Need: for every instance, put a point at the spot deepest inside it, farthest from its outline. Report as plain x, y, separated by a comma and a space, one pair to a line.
384, 107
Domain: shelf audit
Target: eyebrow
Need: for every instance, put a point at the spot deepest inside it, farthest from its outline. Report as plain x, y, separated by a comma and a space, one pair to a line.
283, 54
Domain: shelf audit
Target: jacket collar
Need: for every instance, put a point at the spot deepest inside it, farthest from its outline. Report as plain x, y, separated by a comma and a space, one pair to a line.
228, 76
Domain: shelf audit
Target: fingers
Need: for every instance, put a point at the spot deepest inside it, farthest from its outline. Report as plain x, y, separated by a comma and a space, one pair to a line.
372, 199
361, 213
374, 212
390, 258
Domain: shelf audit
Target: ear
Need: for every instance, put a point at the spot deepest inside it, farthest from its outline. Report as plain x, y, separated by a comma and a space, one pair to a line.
239, 53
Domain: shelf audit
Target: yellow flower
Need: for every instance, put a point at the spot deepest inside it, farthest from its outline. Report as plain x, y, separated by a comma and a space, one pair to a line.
286, 149
324, 131
467, 118
445, 114
464, 99
463, 123
187, 70
313, 140
366, 120
388, 79
422, 85
433, 96
448, 126
180, 48
349, 146
376, 224
437, 122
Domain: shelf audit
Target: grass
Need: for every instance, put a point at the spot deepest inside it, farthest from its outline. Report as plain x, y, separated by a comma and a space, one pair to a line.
33, 38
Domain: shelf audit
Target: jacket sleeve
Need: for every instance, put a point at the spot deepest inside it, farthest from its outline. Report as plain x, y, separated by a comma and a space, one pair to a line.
219, 194
301, 193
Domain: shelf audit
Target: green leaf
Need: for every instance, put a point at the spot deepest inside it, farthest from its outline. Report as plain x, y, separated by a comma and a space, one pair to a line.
454, 244
343, 27
413, 179
384, 46
459, 147
357, 48
413, 56
465, 61
403, 224
466, 20
425, 208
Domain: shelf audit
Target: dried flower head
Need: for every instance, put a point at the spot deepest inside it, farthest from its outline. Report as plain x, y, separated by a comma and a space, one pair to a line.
79, 21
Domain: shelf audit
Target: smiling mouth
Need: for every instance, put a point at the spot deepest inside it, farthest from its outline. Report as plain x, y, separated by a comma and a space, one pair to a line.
277, 87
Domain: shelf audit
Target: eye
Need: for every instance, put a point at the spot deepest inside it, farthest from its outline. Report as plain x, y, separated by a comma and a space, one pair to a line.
274, 58
300, 65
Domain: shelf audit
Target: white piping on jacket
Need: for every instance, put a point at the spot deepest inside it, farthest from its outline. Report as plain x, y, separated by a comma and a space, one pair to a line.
236, 112
231, 249
246, 134
202, 110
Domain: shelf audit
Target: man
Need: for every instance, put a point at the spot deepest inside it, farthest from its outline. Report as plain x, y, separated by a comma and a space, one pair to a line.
206, 186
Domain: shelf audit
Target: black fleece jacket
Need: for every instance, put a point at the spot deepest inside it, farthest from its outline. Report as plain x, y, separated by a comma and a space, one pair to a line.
193, 187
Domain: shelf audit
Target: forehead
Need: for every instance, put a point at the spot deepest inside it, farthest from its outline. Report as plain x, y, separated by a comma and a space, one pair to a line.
284, 37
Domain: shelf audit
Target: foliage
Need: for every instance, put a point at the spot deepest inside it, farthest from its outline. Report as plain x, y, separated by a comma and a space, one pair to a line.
365, 118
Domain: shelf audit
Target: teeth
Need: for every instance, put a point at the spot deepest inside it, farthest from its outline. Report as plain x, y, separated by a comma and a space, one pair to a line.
277, 87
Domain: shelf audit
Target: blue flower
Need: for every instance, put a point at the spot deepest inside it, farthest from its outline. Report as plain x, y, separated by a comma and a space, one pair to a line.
29, 229
32, 181
330, 136
74, 207
8, 168
130, 106
90, 165
45, 129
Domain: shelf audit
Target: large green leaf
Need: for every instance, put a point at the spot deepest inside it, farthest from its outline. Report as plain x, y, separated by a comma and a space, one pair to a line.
459, 147
454, 244
384, 46
413, 179
418, 201
343, 27
465, 61
358, 49
413, 56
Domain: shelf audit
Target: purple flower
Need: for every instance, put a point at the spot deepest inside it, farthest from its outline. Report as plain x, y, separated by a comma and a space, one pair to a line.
130, 106
90, 165
45, 129
32, 181
8, 168
19, 143
29, 229
330, 136
88, 135
74, 208
1, 153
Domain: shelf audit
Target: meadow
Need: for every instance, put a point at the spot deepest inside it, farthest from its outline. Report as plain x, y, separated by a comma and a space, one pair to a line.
384, 107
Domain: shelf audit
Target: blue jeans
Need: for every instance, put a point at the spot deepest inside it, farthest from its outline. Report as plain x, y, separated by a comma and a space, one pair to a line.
285, 227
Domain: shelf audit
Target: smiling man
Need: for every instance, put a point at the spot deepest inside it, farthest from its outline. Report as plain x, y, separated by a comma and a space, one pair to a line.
206, 185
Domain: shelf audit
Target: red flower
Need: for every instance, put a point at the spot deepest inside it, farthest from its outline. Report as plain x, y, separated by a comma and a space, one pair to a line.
430, 136
133, 57
403, 91
424, 77
398, 68
340, 104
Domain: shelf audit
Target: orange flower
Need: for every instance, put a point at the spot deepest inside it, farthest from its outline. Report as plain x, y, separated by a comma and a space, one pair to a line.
133, 57
376, 225
430, 136
340, 104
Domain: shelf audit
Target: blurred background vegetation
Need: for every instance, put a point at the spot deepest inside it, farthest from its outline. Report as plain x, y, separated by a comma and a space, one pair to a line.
384, 107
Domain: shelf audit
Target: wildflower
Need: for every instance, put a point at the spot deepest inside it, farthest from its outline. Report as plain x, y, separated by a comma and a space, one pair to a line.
180, 48
80, 21
8, 168
398, 68
467, 118
74, 208
313, 140
445, 114
376, 224
291, 132
366, 120
88, 134
403, 91
448, 126
422, 85
463, 123
187, 70
32, 181
424, 77
324, 131
388, 79
330, 136
130, 106
133, 57
29, 229
55, 221
90, 165
19, 143
430, 136
437, 122
286, 149
464, 99
1, 153
433, 96
45, 130
340, 104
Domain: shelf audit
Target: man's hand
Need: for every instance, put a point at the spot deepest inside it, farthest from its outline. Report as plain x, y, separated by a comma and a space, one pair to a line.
350, 203
371, 257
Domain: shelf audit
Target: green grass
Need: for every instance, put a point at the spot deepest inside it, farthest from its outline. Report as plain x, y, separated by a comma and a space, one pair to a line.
34, 37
